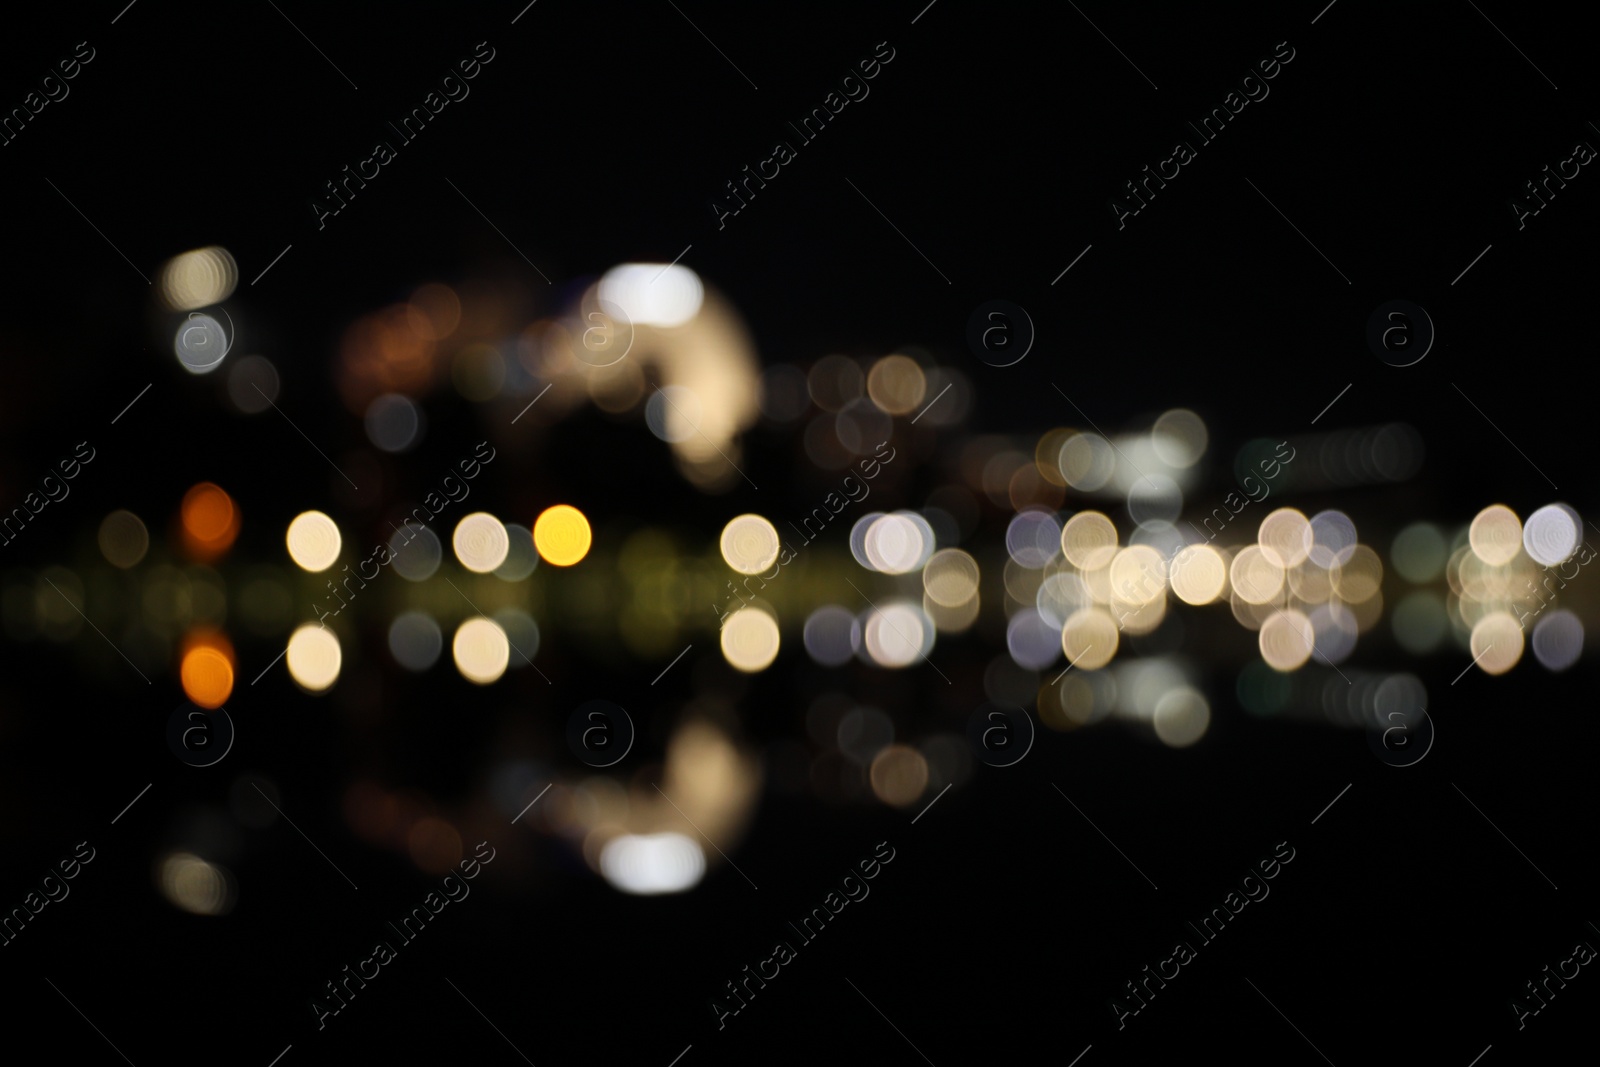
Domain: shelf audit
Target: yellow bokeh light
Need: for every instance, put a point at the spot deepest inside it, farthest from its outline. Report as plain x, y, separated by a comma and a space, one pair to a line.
313, 658
1089, 638
749, 544
750, 640
1255, 578
1495, 535
1496, 643
481, 650
1199, 574
950, 578
1286, 640
561, 534
1089, 540
1285, 537
313, 541
481, 542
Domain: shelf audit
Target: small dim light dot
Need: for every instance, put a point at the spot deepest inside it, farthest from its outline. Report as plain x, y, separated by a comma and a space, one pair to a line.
561, 534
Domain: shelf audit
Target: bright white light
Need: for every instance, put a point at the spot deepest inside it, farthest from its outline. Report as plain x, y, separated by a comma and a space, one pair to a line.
653, 294
894, 544
651, 864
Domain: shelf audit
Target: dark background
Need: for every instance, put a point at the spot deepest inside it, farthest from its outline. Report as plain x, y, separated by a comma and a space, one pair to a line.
994, 140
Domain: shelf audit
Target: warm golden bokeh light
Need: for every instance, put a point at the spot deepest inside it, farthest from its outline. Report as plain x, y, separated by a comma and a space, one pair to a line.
1199, 574
313, 658
198, 279
481, 650
1285, 537
1495, 535
896, 384
313, 541
1089, 540
1286, 640
1255, 578
899, 774
950, 578
750, 640
1497, 643
561, 534
749, 544
1089, 638
481, 542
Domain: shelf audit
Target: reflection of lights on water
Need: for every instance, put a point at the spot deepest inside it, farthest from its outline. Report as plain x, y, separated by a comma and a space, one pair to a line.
481, 542
415, 640
521, 557
1551, 534
1495, 535
198, 279
650, 864
653, 294
749, 544
562, 536
123, 539
1496, 643
832, 635
1558, 640
313, 541
393, 422
313, 658
750, 640
197, 887
415, 552
481, 650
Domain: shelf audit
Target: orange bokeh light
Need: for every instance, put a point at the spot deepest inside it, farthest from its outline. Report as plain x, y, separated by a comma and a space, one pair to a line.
210, 521
206, 670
